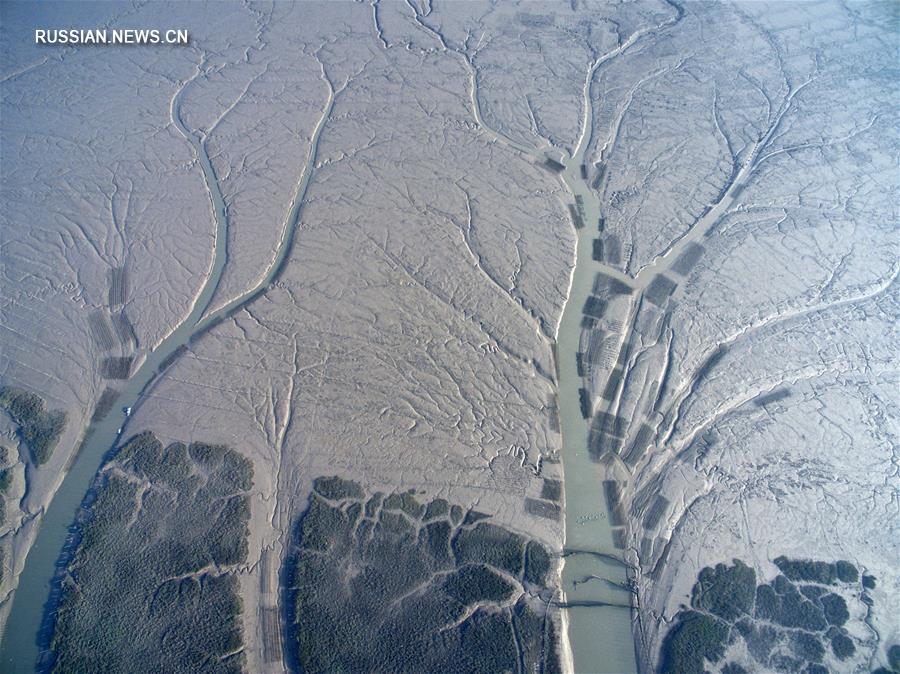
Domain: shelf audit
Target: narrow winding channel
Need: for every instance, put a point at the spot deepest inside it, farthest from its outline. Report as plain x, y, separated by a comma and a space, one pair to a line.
30, 623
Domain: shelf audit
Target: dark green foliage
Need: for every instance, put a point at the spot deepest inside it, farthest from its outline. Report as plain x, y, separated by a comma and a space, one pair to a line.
475, 583
389, 593
789, 609
537, 563
373, 504
846, 572
812, 592
456, 514
868, 582
760, 639
894, 657
725, 591
410, 505
835, 609
335, 488
807, 646
551, 490
39, 429
474, 516
437, 508
144, 592
785, 663
406, 502
842, 646
785, 628
435, 538
808, 570
695, 639
490, 544
782, 585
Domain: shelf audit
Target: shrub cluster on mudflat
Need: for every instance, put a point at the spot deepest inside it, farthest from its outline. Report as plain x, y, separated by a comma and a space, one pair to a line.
39, 428
793, 624
391, 584
148, 587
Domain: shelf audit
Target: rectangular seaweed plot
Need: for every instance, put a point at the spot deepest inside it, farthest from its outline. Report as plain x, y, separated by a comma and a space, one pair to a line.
124, 329
553, 414
601, 443
543, 509
551, 490
613, 502
656, 511
576, 217
117, 287
594, 307
646, 548
612, 384
584, 399
610, 424
101, 330
271, 634
553, 165
660, 290
105, 404
689, 257
607, 286
619, 538
116, 367
597, 251
598, 342
713, 360
613, 249
773, 397
601, 170
639, 446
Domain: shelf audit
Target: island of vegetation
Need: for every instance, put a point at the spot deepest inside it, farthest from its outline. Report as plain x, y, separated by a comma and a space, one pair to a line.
795, 623
387, 583
150, 586
38, 428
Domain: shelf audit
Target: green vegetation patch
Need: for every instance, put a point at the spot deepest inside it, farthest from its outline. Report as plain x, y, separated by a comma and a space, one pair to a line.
39, 428
842, 646
785, 627
813, 571
695, 639
145, 590
835, 609
335, 488
726, 591
410, 587
491, 544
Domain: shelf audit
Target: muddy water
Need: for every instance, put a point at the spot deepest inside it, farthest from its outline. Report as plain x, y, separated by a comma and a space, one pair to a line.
599, 610
28, 626
600, 636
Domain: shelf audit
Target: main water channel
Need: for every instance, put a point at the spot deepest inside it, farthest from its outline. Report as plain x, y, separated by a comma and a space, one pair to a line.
598, 610
27, 628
